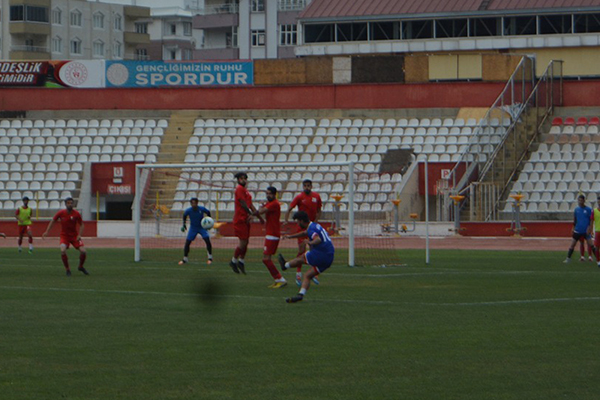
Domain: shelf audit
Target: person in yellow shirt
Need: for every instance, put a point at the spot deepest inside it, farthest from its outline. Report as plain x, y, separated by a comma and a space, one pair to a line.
24, 223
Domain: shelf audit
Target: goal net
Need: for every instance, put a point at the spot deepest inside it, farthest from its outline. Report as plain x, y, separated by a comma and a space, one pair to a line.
357, 211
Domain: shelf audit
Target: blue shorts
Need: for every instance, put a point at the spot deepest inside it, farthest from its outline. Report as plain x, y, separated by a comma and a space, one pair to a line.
192, 233
320, 261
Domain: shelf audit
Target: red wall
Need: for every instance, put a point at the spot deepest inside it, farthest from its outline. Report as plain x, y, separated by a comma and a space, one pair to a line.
418, 95
434, 174
38, 227
258, 229
532, 229
451, 95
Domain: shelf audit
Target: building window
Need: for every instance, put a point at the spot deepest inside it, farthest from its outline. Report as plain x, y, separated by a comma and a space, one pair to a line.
98, 20
75, 18
171, 29
187, 29
98, 48
118, 23
231, 38
141, 54
257, 6
258, 38
75, 46
288, 35
186, 54
141, 27
17, 13
29, 13
291, 5
57, 45
117, 50
57, 16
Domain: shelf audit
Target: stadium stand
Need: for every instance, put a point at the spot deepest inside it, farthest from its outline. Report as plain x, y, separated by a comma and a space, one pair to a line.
364, 141
43, 159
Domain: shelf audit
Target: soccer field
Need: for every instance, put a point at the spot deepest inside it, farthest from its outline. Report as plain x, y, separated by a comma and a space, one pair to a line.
472, 325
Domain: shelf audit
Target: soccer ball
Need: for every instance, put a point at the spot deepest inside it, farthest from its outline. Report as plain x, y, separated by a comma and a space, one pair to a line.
207, 223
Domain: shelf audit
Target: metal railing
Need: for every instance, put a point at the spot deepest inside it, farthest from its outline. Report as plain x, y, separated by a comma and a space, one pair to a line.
33, 49
212, 9
291, 5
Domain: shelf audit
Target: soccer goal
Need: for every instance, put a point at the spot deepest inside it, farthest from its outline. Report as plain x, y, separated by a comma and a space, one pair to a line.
357, 211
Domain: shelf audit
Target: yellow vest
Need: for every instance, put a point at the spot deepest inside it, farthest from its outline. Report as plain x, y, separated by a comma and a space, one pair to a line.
596, 220
25, 216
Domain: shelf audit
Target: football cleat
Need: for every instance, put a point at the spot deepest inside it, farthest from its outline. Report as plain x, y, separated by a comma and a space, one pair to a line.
278, 285
83, 270
294, 299
590, 258
315, 280
281, 262
234, 267
182, 262
582, 258
299, 280
30, 251
20, 249
68, 272
242, 267
567, 260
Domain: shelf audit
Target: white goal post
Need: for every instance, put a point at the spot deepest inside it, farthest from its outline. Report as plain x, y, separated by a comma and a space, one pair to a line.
183, 172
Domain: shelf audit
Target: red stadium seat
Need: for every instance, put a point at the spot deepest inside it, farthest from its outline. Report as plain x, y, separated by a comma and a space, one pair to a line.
594, 121
570, 121
582, 121
557, 121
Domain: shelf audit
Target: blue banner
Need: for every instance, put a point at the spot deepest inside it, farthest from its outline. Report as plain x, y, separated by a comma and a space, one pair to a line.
147, 74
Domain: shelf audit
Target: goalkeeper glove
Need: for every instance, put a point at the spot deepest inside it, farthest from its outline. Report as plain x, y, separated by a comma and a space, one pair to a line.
183, 228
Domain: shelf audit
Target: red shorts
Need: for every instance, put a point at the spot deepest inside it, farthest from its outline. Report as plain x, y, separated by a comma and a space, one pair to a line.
242, 230
24, 229
270, 247
69, 240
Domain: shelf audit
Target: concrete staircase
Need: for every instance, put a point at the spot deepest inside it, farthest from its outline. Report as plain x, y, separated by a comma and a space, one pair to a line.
173, 149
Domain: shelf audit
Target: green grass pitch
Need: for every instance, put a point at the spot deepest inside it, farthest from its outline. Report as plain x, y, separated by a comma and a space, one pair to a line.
472, 325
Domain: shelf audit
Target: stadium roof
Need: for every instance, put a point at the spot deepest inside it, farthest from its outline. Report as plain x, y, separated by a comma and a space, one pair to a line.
344, 9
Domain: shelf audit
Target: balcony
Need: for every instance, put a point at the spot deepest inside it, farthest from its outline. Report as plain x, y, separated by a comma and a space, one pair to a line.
230, 53
135, 38
135, 12
212, 9
30, 28
29, 53
215, 21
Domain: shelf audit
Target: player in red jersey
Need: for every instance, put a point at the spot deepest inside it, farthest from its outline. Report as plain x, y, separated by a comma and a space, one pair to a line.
243, 213
272, 212
309, 202
69, 235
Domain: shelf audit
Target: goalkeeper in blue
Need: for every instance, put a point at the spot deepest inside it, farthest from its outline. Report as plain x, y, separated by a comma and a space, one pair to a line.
196, 213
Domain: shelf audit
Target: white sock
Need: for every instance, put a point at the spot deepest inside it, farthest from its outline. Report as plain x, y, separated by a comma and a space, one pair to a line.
210, 256
302, 292
30, 247
287, 265
241, 260
280, 280
185, 259
234, 260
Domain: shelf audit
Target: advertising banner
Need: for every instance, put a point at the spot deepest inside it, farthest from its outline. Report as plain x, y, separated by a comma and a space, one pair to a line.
148, 74
113, 178
24, 73
81, 73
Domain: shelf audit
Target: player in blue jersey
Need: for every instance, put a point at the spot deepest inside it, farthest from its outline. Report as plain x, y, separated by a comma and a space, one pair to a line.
320, 256
196, 213
582, 226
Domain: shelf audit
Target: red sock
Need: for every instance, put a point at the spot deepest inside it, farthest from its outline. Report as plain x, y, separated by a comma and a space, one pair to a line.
272, 269
597, 254
589, 250
237, 252
30, 240
582, 250
65, 260
82, 259
243, 253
